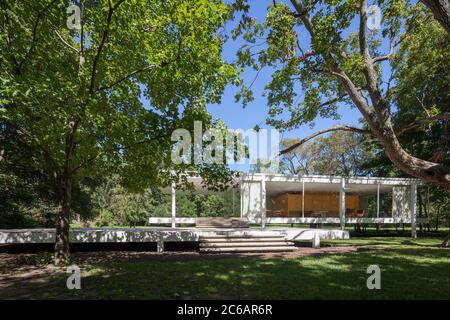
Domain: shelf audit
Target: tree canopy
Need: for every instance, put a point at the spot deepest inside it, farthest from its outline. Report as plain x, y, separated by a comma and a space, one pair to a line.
105, 96
321, 66
336, 154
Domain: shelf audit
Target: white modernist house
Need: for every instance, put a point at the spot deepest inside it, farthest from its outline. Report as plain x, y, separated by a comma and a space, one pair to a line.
264, 199
286, 199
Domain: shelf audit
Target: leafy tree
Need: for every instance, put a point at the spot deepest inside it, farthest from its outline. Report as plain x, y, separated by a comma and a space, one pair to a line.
299, 160
319, 63
206, 203
336, 154
113, 205
105, 97
421, 77
26, 197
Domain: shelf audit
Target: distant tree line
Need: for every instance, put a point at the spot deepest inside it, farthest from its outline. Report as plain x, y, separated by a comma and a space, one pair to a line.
106, 203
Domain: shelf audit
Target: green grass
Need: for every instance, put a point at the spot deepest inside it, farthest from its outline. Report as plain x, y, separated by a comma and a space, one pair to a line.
387, 242
410, 269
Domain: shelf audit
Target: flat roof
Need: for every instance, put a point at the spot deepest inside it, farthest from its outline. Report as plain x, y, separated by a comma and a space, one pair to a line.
329, 179
288, 182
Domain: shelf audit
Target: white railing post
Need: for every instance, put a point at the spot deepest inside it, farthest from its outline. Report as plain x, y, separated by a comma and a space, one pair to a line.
378, 200
342, 203
303, 198
263, 202
174, 205
412, 205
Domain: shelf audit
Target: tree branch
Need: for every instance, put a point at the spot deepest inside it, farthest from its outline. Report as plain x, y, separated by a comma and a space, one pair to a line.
381, 58
346, 82
65, 42
362, 30
34, 38
87, 161
125, 77
102, 43
162, 65
306, 55
378, 118
320, 132
424, 122
441, 12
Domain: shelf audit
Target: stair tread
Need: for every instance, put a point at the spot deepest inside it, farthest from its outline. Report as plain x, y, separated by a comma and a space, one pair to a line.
248, 249
227, 240
246, 244
239, 236
222, 222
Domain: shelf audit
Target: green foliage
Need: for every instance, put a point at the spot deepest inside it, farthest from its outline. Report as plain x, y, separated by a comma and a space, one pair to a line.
20, 206
105, 99
219, 204
336, 154
422, 90
51, 88
27, 195
113, 205
302, 86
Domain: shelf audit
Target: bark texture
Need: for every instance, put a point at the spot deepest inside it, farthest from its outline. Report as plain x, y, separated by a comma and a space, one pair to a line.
441, 12
62, 241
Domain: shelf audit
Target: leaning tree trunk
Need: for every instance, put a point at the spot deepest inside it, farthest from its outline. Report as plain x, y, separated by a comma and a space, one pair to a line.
441, 12
62, 249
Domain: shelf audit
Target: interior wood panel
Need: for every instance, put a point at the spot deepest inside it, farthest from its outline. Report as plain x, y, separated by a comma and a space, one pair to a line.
327, 203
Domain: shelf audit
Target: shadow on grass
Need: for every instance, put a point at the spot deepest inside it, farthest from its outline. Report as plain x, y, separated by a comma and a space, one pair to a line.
412, 273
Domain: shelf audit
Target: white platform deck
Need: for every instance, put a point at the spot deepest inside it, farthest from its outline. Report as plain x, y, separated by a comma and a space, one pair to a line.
161, 235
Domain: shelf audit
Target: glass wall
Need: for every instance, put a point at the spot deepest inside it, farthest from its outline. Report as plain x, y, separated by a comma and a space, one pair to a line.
208, 203
368, 204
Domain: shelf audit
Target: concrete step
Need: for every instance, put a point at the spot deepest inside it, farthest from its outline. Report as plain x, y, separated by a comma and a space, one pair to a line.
247, 249
235, 242
220, 222
244, 244
249, 239
239, 236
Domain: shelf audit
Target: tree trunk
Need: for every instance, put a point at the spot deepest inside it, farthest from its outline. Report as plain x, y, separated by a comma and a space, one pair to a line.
62, 243
428, 171
441, 12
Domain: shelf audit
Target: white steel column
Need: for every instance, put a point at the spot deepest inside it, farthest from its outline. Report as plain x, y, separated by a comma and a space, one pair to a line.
241, 194
303, 198
342, 203
263, 202
232, 190
412, 205
174, 205
378, 200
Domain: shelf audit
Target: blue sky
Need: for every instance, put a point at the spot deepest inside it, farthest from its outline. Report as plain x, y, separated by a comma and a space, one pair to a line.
235, 116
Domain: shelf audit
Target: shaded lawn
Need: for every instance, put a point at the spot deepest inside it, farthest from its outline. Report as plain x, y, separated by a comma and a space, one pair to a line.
387, 242
410, 269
